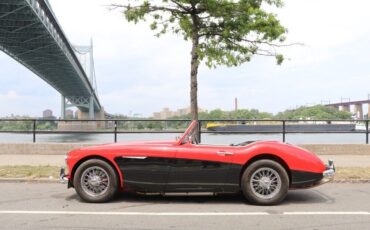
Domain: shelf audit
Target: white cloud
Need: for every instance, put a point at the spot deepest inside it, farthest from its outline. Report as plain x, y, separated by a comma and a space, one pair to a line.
326, 23
322, 26
141, 73
10, 95
19, 104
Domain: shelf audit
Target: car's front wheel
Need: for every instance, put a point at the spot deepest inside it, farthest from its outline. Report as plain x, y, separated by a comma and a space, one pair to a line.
95, 181
265, 182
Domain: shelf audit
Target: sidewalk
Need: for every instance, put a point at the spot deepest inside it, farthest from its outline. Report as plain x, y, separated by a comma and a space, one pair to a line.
32, 160
362, 161
58, 160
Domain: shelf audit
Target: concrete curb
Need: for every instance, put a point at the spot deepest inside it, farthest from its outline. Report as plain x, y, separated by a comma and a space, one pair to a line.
339, 181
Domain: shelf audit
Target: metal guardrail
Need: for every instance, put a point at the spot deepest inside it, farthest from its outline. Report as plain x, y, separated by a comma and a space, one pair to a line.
115, 130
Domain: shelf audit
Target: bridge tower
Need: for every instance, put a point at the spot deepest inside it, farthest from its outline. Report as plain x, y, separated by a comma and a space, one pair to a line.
85, 54
359, 111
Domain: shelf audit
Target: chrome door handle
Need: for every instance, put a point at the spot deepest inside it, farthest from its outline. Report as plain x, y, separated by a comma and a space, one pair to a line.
225, 153
135, 157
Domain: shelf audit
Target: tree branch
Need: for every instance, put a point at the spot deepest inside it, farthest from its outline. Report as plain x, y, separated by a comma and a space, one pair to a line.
151, 8
272, 44
181, 6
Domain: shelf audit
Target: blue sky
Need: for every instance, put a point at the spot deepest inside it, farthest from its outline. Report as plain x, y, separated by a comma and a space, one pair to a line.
139, 73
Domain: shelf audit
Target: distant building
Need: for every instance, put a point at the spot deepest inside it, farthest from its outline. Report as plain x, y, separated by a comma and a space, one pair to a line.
48, 114
167, 113
185, 111
164, 114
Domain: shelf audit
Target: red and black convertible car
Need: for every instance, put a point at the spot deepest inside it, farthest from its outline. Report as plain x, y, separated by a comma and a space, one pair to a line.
263, 170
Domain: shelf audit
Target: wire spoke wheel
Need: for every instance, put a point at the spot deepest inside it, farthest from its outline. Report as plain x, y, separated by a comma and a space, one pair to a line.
95, 181
265, 183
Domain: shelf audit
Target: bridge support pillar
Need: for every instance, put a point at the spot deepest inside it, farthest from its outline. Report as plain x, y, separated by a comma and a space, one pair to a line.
91, 108
82, 115
63, 108
76, 125
334, 107
346, 108
358, 111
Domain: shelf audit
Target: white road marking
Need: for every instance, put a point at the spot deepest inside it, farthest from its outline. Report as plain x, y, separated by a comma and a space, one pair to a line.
136, 213
176, 213
326, 213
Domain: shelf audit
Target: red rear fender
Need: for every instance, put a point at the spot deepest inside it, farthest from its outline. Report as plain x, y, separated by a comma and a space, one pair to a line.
295, 158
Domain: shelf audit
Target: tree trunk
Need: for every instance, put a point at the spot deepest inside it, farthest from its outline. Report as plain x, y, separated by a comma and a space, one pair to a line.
194, 76
194, 71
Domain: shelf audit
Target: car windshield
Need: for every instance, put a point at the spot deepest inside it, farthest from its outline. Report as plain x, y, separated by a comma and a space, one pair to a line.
189, 135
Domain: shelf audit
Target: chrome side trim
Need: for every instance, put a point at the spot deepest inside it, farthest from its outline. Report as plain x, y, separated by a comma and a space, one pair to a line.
225, 153
135, 157
189, 194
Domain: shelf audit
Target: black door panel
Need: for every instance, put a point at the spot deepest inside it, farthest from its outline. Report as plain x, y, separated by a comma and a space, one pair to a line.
197, 176
144, 174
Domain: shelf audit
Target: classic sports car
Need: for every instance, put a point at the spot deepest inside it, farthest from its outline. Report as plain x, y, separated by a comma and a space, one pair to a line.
263, 170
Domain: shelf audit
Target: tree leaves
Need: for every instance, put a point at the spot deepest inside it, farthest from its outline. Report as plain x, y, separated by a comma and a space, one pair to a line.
228, 32
318, 112
314, 112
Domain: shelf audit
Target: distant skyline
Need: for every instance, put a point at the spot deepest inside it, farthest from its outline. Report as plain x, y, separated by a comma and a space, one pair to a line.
138, 73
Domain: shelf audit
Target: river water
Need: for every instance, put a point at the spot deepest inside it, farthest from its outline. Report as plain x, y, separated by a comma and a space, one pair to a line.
207, 138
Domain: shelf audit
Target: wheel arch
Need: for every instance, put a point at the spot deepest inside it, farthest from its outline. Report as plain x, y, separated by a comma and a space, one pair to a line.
266, 156
114, 166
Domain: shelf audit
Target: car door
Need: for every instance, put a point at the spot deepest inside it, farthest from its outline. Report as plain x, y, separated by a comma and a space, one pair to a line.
199, 168
145, 169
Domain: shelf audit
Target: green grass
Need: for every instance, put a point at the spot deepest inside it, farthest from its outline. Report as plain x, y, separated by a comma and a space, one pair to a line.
352, 173
25, 171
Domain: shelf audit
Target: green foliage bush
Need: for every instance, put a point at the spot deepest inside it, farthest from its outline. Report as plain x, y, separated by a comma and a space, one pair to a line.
318, 112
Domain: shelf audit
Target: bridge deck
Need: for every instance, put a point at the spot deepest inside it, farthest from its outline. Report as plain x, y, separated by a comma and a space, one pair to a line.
30, 33
349, 103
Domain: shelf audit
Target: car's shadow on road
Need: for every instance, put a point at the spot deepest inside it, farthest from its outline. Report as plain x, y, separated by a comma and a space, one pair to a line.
138, 198
311, 196
293, 197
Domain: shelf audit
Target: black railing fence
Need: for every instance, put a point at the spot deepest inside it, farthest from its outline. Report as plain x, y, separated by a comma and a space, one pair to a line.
220, 126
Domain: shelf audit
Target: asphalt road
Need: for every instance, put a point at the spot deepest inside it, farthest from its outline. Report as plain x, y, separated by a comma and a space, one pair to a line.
52, 206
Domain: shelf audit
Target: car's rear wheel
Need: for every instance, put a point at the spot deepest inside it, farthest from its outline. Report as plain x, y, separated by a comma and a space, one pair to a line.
265, 182
95, 181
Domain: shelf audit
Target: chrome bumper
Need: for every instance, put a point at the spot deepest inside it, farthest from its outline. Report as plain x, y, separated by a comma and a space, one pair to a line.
62, 176
329, 173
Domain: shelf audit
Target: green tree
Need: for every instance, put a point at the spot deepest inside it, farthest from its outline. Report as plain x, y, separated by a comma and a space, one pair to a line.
319, 112
223, 115
222, 32
250, 114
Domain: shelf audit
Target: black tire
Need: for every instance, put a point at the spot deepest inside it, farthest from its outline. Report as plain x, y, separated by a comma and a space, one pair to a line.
106, 173
255, 192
